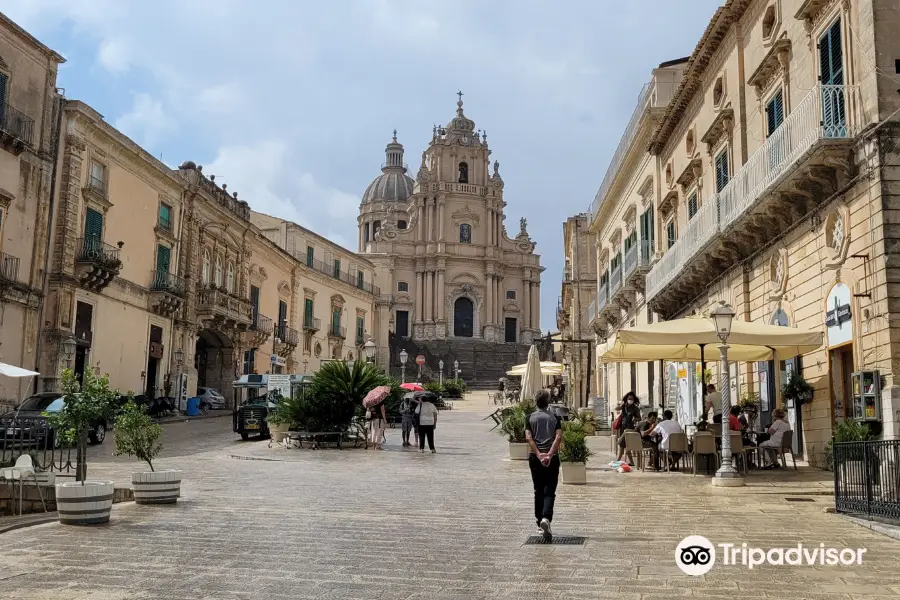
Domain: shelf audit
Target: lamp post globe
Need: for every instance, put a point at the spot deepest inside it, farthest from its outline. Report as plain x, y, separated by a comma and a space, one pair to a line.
68, 349
403, 357
369, 348
178, 355
723, 316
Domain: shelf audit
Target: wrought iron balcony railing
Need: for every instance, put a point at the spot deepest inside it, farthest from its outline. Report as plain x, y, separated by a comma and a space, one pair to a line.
592, 311
337, 331
615, 281
312, 323
163, 281
602, 296
17, 124
9, 267
92, 250
261, 322
287, 335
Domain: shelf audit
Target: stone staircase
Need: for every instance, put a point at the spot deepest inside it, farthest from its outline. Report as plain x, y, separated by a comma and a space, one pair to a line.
481, 363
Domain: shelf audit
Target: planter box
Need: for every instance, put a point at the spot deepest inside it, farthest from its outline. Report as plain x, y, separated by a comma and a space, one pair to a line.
518, 451
84, 504
574, 473
45, 478
278, 432
156, 487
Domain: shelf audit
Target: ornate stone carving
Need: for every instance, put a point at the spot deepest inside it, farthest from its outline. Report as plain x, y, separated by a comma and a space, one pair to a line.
465, 215
778, 273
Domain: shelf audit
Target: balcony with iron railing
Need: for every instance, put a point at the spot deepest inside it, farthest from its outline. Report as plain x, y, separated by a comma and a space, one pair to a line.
163, 281
16, 126
96, 263
755, 205
221, 309
9, 268
337, 273
615, 281
337, 331
287, 335
262, 323
311, 324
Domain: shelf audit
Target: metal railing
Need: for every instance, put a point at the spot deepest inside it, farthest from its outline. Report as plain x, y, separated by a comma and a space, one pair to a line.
337, 331
17, 124
97, 184
214, 300
629, 262
163, 281
602, 296
287, 335
396, 166
822, 114
261, 322
615, 281
352, 279
9, 267
867, 479
624, 144
34, 436
94, 251
312, 323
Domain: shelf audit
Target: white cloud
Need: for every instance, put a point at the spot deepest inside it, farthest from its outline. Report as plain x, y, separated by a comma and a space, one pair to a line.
114, 55
147, 121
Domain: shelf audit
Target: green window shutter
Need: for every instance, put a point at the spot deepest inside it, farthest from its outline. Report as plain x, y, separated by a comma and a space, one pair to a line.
310, 255
308, 312
721, 170
774, 113
4, 81
335, 320
163, 254
670, 234
93, 228
254, 302
337, 268
359, 279
693, 205
831, 65
359, 328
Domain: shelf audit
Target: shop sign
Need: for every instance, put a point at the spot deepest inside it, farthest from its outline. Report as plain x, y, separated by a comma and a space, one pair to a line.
838, 317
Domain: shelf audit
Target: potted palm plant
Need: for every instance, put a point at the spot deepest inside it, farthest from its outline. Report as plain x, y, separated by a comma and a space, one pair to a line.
574, 453
588, 421
512, 425
82, 502
138, 436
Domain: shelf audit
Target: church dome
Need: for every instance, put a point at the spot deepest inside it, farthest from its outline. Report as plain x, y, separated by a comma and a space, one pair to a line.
393, 185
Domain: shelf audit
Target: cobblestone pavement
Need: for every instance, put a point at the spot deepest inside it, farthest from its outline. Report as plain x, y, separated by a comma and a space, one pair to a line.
396, 524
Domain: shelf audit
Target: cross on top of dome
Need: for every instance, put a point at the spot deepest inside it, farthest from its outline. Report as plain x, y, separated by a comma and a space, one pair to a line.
461, 122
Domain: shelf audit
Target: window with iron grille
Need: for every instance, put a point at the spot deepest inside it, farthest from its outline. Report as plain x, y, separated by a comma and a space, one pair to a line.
510, 294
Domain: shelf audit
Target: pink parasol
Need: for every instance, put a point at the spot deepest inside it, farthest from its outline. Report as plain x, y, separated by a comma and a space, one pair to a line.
412, 387
376, 396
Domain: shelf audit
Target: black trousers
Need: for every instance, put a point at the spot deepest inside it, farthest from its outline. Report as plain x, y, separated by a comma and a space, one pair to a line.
545, 480
426, 431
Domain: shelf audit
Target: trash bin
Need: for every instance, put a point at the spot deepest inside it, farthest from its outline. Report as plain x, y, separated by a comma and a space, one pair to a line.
193, 406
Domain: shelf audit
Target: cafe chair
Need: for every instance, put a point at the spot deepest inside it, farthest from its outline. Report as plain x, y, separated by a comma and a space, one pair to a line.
678, 445
22, 470
704, 444
635, 447
787, 445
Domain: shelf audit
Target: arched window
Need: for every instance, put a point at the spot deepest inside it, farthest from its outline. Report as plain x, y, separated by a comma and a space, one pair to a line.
206, 266
463, 173
229, 281
218, 280
465, 234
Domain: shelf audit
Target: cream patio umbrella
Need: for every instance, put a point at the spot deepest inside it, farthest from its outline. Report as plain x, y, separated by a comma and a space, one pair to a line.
532, 379
547, 368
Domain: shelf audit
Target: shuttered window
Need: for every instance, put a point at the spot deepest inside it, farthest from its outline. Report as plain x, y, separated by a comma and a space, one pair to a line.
163, 254
647, 231
359, 279
4, 81
670, 234
337, 268
93, 228
722, 170
310, 255
254, 302
308, 312
774, 113
630, 241
336, 321
360, 327
693, 206
831, 67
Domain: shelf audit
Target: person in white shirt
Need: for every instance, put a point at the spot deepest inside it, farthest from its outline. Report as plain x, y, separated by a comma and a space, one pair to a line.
776, 433
428, 415
714, 403
664, 429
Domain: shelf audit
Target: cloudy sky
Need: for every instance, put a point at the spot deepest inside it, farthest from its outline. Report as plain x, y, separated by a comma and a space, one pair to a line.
290, 102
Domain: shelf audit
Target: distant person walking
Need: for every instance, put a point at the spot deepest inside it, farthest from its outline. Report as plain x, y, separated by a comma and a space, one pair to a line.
408, 419
543, 432
428, 416
377, 418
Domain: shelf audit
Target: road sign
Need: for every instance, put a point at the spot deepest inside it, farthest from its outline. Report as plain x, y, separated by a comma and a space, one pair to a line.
420, 359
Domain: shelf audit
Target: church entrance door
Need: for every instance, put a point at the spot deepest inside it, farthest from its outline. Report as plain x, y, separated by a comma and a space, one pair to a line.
463, 317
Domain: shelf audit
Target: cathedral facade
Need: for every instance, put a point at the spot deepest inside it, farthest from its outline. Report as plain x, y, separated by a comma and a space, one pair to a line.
445, 264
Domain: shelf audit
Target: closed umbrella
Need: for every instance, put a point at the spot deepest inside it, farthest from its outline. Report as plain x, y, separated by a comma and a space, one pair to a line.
532, 379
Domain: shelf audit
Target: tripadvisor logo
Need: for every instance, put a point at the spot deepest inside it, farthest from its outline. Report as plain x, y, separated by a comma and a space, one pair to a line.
696, 555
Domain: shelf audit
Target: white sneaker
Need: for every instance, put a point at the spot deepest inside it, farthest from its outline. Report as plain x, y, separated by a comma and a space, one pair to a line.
546, 530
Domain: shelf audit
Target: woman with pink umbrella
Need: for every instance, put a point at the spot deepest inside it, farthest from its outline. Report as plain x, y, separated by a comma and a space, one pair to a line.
376, 413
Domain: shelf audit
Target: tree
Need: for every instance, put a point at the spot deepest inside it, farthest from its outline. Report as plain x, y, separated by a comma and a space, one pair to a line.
337, 390
84, 405
137, 435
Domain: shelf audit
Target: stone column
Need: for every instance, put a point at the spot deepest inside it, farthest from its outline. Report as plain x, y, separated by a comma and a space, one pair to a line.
420, 226
420, 288
441, 294
442, 207
526, 304
536, 305
489, 290
429, 296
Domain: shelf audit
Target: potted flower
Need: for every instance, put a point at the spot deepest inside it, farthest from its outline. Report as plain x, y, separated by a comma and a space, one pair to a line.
574, 453
82, 502
797, 389
138, 436
512, 425
749, 405
287, 414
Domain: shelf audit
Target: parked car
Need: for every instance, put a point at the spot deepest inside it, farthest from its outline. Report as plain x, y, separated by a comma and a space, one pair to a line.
28, 421
211, 397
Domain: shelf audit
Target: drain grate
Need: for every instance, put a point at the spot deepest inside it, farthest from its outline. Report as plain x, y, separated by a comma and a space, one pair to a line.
559, 540
792, 499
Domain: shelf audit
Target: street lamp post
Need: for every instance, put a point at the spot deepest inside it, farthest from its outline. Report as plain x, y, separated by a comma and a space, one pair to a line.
369, 348
68, 349
403, 358
305, 365
441, 371
456, 368
727, 475
178, 356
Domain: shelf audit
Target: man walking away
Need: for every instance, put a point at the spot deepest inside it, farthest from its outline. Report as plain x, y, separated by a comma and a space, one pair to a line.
543, 433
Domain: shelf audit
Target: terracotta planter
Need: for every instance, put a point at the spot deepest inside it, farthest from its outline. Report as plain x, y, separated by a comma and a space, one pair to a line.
278, 432
156, 487
574, 473
84, 504
518, 451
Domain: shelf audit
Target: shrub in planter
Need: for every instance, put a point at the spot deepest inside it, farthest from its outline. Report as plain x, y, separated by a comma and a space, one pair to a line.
849, 431
588, 421
512, 425
434, 387
454, 388
574, 453
138, 436
337, 393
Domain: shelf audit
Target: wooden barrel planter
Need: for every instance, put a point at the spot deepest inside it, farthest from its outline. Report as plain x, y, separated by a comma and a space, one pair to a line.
518, 451
156, 487
87, 503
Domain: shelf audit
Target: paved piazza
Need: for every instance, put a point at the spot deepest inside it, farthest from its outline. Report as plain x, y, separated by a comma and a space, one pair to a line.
358, 524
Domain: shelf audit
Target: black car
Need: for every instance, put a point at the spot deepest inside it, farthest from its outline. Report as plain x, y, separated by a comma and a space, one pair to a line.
28, 420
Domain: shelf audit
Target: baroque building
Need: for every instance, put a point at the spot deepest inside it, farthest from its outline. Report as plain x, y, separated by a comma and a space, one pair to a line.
766, 178
445, 264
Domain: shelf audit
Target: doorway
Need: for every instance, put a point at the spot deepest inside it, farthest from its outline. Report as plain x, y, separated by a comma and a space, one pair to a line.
510, 330
154, 356
841, 374
463, 317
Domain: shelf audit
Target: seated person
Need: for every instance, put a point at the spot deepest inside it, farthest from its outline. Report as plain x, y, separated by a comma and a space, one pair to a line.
645, 428
663, 430
734, 424
776, 433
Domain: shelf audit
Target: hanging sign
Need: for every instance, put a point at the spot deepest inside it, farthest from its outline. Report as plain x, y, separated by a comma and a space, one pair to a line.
838, 317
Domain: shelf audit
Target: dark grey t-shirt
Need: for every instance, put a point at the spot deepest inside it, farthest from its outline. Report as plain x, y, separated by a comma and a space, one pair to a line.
543, 426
